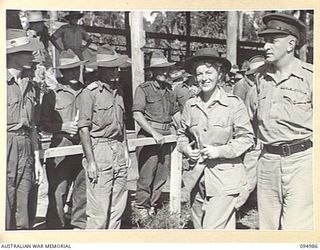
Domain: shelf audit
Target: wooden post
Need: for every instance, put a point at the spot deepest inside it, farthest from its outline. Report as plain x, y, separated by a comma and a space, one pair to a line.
137, 42
240, 25
232, 36
128, 33
303, 40
188, 33
175, 181
53, 18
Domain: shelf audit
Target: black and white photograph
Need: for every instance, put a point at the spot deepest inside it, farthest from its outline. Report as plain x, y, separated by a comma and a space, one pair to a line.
159, 119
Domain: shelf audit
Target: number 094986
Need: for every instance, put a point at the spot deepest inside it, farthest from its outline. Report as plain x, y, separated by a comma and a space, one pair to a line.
313, 245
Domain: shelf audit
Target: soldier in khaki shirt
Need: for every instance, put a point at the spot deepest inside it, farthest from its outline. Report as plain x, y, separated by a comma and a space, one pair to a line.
103, 137
59, 116
23, 162
215, 132
282, 102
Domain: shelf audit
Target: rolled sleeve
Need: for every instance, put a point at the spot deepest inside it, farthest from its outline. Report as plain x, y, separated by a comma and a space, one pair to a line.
139, 101
86, 103
243, 137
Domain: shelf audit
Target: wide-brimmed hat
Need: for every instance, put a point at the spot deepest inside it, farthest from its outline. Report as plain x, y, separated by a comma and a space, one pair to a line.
17, 40
68, 59
234, 69
254, 63
278, 23
35, 16
177, 74
158, 60
76, 14
244, 67
209, 54
109, 58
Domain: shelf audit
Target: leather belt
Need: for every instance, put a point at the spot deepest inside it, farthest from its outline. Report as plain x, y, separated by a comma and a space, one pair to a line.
157, 125
288, 149
20, 132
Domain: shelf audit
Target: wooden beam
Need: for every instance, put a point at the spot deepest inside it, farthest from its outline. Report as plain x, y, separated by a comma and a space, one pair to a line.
153, 35
104, 30
138, 142
77, 149
175, 181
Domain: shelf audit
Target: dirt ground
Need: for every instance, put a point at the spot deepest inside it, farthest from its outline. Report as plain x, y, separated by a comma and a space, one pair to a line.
247, 217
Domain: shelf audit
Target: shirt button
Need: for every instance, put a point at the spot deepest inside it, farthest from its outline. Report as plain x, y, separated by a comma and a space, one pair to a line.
273, 102
205, 130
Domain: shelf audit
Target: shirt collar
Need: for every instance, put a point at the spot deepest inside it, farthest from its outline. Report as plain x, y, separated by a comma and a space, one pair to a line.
9, 76
156, 85
221, 98
295, 70
61, 87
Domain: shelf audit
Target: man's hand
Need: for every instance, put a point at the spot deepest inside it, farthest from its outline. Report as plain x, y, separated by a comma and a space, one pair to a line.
242, 198
209, 152
38, 169
158, 137
192, 154
70, 127
92, 172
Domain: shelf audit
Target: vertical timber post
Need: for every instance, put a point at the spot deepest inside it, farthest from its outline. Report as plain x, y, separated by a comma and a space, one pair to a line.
232, 32
53, 19
175, 181
188, 33
137, 42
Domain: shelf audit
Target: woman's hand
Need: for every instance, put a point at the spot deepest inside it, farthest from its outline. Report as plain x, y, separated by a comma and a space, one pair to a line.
209, 152
192, 154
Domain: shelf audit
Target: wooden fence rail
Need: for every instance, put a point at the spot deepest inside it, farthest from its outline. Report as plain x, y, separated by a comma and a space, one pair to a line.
175, 170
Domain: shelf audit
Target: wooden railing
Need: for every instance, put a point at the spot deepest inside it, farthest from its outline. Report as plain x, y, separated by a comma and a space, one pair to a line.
175, 170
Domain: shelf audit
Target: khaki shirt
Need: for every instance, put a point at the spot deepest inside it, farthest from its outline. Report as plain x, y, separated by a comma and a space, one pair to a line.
59, 106
242, 87
156, 104
226, 125
21, 100
102, 110
182, 93
283, 109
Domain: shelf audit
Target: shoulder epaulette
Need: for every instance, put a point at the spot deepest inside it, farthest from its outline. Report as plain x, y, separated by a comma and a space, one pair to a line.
145, 84
307, 66
92, 86
233, 96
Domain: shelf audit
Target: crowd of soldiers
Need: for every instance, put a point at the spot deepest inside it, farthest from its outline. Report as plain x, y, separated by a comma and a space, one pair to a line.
237, 129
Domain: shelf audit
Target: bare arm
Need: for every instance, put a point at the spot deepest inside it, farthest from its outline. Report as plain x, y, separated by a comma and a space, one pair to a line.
92, 168
143, 123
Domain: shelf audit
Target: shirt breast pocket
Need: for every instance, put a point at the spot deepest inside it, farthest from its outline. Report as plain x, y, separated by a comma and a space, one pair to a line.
298, 100
103, 114
154, 104
13, 110
63, 108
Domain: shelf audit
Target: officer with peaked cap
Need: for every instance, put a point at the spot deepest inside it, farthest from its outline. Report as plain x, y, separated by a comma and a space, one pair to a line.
23, 162
282, 102
103, 136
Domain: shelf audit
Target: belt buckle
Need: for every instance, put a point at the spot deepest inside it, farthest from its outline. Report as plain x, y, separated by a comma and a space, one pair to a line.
286, 149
